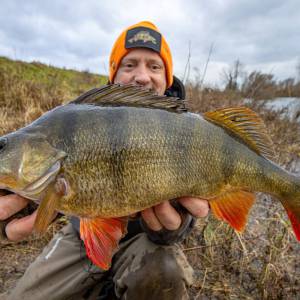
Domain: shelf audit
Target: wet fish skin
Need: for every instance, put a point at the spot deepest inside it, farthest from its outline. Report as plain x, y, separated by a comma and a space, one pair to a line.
100, 160
128, 154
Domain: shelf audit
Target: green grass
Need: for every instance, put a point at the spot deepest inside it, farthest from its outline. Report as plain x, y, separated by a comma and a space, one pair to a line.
74, 81
29, 89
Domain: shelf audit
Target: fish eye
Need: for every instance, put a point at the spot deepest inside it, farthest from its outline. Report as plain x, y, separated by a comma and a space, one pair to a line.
3, 143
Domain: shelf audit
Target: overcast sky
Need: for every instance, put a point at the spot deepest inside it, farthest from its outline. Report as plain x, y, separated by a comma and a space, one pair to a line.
77, 34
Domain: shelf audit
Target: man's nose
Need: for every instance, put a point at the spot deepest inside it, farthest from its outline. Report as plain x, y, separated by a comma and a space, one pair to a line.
142, 76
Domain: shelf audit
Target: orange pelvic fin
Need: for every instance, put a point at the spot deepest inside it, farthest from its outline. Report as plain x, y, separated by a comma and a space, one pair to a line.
245, 124
233, 207
101, 237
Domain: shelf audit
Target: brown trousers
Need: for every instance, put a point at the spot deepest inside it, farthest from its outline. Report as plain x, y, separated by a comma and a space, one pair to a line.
140, 270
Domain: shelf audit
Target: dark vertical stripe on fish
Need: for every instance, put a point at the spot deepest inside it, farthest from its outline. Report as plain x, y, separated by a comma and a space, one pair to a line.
228, 161
118, 135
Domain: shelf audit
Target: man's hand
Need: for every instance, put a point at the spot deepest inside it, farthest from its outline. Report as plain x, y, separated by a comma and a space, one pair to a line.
164, 215
17, 229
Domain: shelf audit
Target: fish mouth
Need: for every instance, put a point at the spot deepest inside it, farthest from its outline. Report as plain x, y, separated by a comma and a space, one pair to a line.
34, 189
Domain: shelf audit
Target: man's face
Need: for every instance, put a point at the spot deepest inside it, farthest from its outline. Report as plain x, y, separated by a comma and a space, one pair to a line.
143, 67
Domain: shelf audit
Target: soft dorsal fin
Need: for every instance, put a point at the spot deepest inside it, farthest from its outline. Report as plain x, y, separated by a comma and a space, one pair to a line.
247, 126
129, 95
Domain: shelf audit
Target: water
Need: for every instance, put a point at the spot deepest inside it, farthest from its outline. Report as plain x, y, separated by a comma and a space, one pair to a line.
286, 106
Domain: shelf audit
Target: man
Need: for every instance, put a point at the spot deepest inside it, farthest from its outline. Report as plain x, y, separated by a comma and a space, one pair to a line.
149, 263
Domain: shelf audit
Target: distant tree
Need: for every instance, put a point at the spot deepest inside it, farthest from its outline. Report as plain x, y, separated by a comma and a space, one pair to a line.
258, 85
232, 75
298, 70
297, 84
286, 87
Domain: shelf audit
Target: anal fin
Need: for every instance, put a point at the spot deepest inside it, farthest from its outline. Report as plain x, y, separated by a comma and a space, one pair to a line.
101, 237
233, 207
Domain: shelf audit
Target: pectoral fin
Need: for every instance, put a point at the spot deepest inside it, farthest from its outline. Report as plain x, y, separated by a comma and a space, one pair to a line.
101, 237
46, 210
233, 207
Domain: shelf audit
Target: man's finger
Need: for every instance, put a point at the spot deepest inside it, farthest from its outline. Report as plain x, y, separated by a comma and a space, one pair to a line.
151, 219
197, 207
11, 204
167, 215
19, 229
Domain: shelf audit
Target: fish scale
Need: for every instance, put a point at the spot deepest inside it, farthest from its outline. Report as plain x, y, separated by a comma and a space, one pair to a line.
103, 158
166, 169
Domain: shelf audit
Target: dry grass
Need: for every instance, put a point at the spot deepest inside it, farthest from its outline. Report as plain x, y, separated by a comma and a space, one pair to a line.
260, 264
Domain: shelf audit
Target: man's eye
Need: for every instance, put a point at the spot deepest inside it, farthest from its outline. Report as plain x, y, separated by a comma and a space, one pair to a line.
155, 67
128, 65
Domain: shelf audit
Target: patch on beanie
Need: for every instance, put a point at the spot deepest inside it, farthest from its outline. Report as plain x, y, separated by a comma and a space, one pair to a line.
143, 37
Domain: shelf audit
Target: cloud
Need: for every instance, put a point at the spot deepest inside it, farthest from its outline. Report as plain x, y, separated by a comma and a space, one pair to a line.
79, 34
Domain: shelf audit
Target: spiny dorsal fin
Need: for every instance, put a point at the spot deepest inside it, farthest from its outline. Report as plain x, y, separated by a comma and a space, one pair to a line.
246, 125
129, 95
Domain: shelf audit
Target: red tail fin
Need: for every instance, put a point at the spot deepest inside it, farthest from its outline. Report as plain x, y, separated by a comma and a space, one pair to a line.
291, 202
295, 223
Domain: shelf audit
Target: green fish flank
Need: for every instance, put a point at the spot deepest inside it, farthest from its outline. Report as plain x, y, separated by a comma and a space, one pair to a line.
119, 150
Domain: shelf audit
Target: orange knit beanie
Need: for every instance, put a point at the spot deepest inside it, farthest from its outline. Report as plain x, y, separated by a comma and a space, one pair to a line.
145, 35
